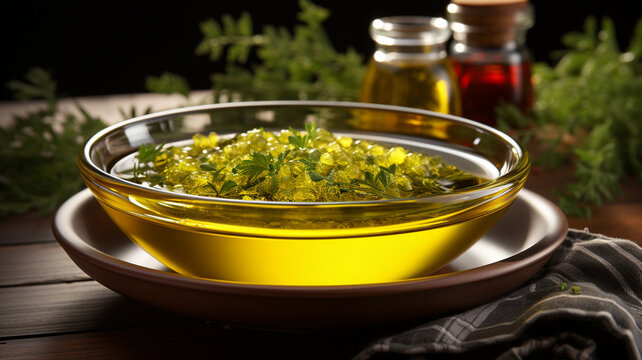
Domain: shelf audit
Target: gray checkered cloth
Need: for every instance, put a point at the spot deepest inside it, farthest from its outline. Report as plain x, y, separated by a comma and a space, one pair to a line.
542, 320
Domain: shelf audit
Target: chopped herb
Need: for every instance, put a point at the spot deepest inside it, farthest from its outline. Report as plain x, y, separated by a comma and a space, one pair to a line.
563, 286
333, 169
315, 176
575, 289
303, 141
148, 153
255, 167
224, 189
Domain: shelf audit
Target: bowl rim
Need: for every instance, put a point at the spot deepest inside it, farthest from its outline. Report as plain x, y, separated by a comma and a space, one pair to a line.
497, 184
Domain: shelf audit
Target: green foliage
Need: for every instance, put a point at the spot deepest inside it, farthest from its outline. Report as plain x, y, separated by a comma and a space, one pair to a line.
38, 158
592, 96
291, 65
302, 141
38, 85
383, 177
168, 83
225, 188
144, 167
260, 164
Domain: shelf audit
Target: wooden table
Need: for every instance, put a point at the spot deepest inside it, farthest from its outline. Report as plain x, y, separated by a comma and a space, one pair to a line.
51, 309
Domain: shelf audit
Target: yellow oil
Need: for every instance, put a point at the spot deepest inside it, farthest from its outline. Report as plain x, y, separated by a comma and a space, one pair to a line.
282, 261
417, 84
310, 252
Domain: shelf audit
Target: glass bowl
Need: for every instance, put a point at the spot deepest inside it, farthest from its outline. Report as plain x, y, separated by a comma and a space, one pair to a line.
308, 243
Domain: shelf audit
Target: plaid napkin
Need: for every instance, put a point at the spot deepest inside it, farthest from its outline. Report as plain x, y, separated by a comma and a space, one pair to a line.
585, 303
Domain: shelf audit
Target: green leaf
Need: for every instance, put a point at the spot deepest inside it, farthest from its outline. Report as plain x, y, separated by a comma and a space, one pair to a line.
254, 168
563, 286
168, 83
208, 167
38, 85
635, 47
227, 186
148, 153
315, 176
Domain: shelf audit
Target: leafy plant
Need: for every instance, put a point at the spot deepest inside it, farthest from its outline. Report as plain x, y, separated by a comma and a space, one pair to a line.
38, 158
168, 83
38, 167
301, 64
587, 112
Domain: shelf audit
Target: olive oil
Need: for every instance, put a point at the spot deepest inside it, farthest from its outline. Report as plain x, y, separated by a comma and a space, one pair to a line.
410, 67
420, 85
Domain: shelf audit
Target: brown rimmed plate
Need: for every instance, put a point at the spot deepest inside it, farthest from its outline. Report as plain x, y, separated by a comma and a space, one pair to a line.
510, 254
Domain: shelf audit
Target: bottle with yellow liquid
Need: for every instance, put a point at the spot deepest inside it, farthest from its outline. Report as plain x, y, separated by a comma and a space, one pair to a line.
410, 66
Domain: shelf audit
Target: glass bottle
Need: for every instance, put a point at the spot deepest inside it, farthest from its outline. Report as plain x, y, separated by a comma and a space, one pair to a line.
489, 56
410, 66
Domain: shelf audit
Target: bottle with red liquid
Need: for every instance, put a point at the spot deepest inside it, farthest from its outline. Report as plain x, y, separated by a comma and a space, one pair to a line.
489, 57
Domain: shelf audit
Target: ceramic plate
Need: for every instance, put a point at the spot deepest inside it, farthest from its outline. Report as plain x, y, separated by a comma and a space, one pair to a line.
511, 253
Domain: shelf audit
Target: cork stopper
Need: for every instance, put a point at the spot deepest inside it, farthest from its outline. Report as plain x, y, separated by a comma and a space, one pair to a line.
489, 23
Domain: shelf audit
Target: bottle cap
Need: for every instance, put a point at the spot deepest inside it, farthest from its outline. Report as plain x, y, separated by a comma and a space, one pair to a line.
489, 23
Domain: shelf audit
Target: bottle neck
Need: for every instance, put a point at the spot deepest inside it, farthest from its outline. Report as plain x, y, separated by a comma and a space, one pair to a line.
509, 40
426, 53
510, 53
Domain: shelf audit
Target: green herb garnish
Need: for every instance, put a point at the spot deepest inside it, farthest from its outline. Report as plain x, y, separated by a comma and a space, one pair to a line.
575, 289
224, 189
302, 141
291, 167
563, 286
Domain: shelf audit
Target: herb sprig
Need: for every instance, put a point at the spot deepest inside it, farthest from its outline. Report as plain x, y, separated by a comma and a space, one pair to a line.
299, 64
38, 157
302, 141
591, 103
147, 154
262, 164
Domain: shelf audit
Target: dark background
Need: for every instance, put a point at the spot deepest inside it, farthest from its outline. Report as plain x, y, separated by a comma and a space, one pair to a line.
95, 48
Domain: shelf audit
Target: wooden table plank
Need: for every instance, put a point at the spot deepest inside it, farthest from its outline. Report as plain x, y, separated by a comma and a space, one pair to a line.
25, 229
73, 307
37, 264
619, 218
201, 340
